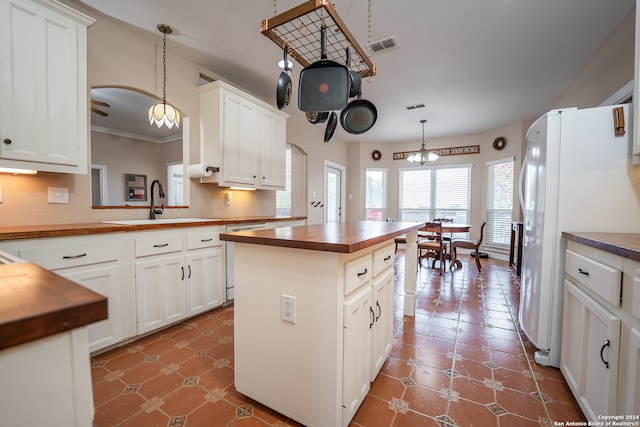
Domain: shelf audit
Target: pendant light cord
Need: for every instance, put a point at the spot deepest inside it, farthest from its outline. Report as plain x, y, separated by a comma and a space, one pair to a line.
164, 69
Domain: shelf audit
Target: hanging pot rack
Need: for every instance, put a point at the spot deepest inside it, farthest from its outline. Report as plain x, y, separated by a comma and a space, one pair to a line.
299, 28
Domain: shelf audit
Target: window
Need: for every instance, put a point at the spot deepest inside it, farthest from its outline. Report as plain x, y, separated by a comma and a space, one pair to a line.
283, 197
175, 196
435, 192
376, 194
499, 202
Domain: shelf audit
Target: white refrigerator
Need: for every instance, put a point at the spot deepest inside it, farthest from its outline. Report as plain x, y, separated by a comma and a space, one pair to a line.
577, 176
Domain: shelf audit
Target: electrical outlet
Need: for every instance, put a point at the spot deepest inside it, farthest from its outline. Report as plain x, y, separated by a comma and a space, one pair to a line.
288, 307
57, 195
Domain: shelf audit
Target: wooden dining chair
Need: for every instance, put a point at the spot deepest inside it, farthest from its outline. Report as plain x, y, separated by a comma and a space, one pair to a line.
431, 244
468, 244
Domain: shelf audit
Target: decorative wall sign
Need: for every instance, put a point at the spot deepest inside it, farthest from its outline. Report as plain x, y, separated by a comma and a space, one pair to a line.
135, 187
452, 151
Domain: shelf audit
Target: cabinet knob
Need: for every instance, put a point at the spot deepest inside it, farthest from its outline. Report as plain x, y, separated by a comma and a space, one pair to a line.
7, 141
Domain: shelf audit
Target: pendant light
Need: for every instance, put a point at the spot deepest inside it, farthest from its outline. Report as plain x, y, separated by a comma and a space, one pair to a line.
423, 156
163, 113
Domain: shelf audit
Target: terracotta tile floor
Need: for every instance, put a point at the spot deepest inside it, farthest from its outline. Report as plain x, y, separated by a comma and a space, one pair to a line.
460, 361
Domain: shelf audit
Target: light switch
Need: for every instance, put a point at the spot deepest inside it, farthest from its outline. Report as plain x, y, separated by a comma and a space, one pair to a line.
57, 195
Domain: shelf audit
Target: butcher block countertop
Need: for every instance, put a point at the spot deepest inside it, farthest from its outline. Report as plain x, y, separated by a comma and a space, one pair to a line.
59, 230
626, 245
36, 303
344, 237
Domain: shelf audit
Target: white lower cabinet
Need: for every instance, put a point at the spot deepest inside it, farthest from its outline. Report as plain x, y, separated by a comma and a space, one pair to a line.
356, 379
600, 356
160, 292
150, 278
89, 261
205, 273
105, 281
178, 274
318, 369
589, 360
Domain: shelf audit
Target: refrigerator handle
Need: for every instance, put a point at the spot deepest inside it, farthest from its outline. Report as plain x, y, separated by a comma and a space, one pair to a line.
521, 182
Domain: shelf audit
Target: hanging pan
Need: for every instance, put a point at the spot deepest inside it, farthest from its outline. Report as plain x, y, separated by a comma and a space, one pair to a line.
331, 127
359, 116
355, 79
324, 85
315, 118
283, 91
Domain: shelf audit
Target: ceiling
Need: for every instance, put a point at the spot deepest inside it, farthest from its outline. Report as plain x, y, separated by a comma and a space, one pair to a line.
476, 64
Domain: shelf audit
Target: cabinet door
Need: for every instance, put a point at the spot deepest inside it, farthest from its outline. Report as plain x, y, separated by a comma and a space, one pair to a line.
43, 110
272, 133
240, 140
382, 336
104, 281
160, 292
590, 352
633, 374
359, 318
205, 284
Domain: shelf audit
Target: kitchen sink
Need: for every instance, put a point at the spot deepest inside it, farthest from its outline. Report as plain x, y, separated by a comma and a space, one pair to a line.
160, 221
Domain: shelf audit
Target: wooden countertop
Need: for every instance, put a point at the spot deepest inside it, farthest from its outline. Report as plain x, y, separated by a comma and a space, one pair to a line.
58, 230
626, 245
345, 237
36, 303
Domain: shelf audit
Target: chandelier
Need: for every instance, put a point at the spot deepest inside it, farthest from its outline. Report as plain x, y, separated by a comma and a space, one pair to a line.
423, 156
163, 113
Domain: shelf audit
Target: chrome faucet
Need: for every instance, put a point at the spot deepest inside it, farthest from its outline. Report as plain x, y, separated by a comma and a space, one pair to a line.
154, 211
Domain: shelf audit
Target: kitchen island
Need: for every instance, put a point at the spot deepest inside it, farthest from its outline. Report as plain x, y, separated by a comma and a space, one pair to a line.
314, 314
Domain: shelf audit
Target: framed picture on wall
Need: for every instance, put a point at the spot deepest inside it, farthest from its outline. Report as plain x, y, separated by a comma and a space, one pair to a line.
135, 187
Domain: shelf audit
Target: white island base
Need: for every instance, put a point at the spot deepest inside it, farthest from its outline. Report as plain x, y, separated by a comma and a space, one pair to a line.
317, 368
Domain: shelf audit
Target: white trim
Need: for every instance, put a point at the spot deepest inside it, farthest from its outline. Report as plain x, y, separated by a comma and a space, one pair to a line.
620, 95
454, 166
342, 169
499, 161
102, 173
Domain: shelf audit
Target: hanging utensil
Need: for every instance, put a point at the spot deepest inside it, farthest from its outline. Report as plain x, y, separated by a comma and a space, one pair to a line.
331, 127
324, 85
315, 118
359, 116
355, 79
283, 91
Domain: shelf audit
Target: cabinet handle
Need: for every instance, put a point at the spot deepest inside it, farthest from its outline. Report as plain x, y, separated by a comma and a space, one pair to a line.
362, 273
7, 141
206, 240
189, 271
581, 271
607, 343
379, 310
373, 317
387, 258
182, 273
74, 256
161, 245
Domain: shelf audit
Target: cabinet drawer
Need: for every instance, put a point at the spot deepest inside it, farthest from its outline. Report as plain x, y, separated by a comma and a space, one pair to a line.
600, 278
203, 239
383, 258
55, 257
356, 273
158, 244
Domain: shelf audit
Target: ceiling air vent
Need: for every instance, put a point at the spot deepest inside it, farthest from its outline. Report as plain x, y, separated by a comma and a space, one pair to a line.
414, 106
383, 44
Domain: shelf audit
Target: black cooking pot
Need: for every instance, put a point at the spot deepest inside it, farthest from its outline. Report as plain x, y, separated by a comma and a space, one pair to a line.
324, 85
315, 117
359, 116
283, 91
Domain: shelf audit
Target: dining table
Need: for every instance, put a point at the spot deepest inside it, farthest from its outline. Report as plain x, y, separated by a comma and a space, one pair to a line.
454, 228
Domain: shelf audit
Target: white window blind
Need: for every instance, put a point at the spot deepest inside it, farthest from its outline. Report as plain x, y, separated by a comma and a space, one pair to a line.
435, 192
283, 197
376, 194
499, 201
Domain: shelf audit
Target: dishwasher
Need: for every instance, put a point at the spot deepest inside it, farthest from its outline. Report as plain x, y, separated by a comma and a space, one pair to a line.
229, 254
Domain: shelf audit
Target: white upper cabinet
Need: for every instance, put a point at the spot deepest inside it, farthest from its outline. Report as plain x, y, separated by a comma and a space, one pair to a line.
43, 82
243, 136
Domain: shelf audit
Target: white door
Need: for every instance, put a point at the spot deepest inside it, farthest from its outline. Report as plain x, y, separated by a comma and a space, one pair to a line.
333, 193
205, 284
